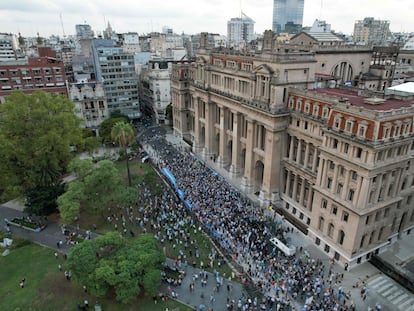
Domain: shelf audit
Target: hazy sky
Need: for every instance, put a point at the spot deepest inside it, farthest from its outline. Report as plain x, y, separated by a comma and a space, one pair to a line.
189, 16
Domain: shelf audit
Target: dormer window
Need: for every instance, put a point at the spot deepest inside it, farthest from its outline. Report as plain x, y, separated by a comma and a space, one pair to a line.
387, 130
316, 110
299, 105
337, 122
349, 126
291, 101
397, 128
307, 107
362, 130
325, 112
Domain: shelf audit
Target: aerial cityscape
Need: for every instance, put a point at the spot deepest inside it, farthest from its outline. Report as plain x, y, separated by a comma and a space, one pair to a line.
223, 155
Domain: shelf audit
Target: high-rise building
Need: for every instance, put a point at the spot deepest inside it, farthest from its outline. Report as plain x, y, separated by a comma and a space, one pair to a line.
287, 11
371, 32
116, 69
240, 31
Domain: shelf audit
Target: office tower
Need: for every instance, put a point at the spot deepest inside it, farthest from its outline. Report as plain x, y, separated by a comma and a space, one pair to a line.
240, 31
116, 69
371, 32
287, 12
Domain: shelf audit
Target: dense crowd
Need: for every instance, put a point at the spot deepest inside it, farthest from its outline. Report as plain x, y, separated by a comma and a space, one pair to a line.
240, 231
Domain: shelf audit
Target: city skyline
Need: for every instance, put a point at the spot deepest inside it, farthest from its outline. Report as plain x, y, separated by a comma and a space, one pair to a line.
46, 17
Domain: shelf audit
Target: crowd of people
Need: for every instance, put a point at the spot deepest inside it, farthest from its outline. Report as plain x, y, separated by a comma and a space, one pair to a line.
240, 231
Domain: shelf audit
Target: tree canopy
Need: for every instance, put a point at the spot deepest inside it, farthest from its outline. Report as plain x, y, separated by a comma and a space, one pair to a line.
36, 135
97, 187
106, 128
123, 134
112, 262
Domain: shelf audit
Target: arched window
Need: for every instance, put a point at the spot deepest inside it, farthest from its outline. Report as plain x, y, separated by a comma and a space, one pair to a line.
321, 223
341, 237
331, 229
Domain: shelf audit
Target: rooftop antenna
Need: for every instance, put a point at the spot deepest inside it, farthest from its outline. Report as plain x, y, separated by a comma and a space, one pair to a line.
320, 12
61, 23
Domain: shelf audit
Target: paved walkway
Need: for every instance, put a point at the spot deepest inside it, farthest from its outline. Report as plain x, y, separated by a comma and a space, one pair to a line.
52, 234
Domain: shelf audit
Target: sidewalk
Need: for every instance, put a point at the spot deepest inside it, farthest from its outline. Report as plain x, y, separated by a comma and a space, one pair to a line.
48, 237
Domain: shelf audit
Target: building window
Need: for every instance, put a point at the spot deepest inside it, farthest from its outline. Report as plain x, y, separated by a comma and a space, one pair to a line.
324, 203
341, 237
361, 244
325, 112
349, 126
362, 130
339, 188
316, 110
337, 256
329, 183
346, 147
317, 241
351, 194
327, 248
354, 175
331, 229
381, 231
358, 153
321, 223
337, 122
334, 209
345, 216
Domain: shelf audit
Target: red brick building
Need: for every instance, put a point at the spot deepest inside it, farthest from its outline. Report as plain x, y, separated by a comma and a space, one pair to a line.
33, 74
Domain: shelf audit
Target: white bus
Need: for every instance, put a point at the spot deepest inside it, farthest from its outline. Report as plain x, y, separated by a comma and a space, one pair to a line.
287, 250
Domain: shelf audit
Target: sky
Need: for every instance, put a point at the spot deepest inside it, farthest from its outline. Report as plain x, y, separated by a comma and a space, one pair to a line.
47, 17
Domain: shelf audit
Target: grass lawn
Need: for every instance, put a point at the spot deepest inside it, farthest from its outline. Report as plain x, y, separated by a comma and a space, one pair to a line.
46, 287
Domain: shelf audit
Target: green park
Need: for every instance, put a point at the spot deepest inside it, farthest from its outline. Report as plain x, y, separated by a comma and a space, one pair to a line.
40, 139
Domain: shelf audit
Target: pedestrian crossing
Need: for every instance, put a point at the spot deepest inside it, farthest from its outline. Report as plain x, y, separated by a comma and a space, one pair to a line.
392, 292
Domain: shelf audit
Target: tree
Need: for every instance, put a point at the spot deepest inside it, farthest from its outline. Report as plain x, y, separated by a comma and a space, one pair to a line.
97, 187
36, 133
42, 200
124, 134
112, 262
106, 128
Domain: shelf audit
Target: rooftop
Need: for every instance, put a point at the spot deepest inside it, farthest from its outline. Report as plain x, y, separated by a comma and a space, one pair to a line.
361, 101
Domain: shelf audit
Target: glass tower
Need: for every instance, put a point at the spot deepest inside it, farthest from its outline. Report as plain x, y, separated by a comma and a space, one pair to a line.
287, 11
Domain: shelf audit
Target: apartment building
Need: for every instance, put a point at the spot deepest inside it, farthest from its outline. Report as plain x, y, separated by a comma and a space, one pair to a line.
32, 74
90, 103
370, 31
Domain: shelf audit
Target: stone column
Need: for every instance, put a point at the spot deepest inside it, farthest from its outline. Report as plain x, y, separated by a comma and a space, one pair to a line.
291, 147
302, 192
396, 182
346, 186
387, 184
247, 181
295, 187
320, 178
315, 159
222, 157
236, 148
196, 146
305, 162
378, 186
209, 149
361, 193
272, 160
335, 179
289, 176
298, 152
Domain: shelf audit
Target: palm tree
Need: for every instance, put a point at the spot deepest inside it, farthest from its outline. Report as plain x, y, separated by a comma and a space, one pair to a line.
123, 134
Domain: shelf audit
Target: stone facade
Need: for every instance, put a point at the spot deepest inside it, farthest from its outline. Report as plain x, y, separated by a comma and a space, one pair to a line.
337, 164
